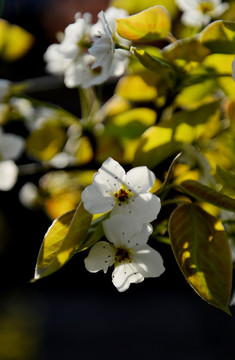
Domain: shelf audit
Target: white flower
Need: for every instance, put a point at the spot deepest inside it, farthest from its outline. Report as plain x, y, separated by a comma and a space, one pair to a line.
111, 14
8, 175
87, 55
11, 146
200, 12
28, 195
56, 60
125, 193
112, 61
132, 258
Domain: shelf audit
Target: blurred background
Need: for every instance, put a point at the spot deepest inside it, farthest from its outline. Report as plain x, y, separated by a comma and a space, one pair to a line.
74, 314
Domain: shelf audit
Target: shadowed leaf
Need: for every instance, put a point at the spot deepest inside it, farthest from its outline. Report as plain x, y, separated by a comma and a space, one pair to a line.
203, 254
204, 193
219, 37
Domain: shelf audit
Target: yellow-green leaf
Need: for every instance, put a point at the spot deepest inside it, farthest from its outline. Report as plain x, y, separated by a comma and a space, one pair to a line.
219, 37
135, 88
206, 194
132, 123
155, 145
135, 6
46, 142
14, 41
65, 237
201, 248
189, 49
148, 25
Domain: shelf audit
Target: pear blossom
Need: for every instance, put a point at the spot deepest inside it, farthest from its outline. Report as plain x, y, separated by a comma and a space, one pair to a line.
200, 12
128, 251
11, 147
8, 175
87, 55
123, 193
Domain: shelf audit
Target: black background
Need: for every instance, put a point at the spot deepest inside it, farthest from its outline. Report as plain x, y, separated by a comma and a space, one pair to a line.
74, 314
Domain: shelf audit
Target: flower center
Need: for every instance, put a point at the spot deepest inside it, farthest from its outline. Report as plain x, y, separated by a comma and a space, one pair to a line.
123, 195
205, 7
122, 255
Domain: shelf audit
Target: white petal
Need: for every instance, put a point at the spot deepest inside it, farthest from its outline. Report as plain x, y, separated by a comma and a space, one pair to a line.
141, 209
11, 146
111, 174
97, 201
8, 175
125, 274
148, 261
219, 10
141, 179
122, 232
100, 257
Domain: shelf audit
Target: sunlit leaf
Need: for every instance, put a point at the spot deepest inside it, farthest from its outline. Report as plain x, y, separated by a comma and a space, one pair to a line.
203, 254
189, 49
155, 145
157, 65
135, 6
206, 194
219, 37
14, 41
134, 88
46, 142
193, 124
132, 123
65, 237
148, 25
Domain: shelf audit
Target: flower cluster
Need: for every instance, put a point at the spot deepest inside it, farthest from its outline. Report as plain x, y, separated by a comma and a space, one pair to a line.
132, 207
199, 13
87, 55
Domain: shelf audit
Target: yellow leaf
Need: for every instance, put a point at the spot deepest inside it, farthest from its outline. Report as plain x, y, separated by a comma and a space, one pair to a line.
46, 142
134, 88
14, 41
148, 25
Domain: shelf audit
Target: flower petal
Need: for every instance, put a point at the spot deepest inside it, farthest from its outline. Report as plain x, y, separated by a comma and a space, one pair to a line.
122, 232
111, 174
100, 257
95, 201
141, 209
125, 274
148, 261
140, 179
11, 146
8, 175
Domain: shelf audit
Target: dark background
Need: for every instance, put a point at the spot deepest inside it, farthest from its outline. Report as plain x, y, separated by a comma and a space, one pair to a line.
74, 314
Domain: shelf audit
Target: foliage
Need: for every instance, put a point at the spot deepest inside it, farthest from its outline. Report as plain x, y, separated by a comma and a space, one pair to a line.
172, 111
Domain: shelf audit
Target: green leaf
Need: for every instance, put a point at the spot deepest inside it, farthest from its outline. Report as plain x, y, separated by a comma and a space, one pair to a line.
219, 37
135, 6
131, 123
226, 178
44, 143
66, 236
189, 49
155, 145
148, 25
206, 194
169, 174
156, 64
201, 248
